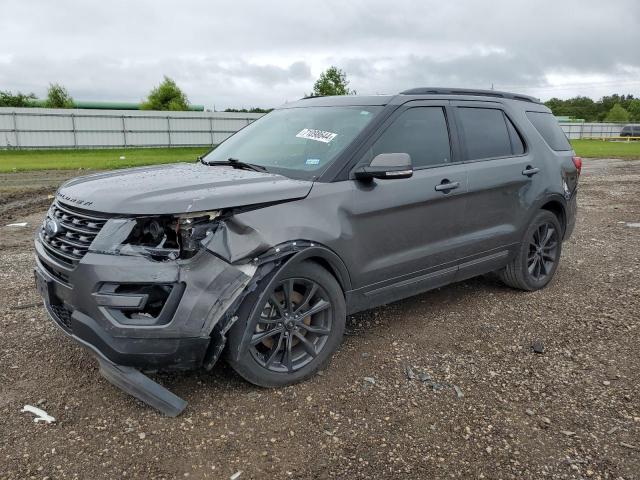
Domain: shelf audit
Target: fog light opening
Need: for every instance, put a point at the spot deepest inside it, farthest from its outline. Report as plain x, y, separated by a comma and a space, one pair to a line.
157, 297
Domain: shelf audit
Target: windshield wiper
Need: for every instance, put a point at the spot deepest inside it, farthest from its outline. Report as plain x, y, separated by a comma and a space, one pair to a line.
235, 163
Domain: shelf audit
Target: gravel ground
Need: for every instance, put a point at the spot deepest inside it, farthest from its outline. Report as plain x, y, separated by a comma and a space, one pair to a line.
25, 192
572, 411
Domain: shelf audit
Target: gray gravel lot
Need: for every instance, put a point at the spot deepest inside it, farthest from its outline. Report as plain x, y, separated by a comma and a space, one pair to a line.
572, 411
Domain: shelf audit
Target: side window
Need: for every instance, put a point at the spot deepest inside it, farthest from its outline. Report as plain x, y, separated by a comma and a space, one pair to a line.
419, 131
484, 132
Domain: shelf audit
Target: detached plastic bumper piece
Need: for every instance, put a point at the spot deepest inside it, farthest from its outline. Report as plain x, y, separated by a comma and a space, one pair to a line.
142, 387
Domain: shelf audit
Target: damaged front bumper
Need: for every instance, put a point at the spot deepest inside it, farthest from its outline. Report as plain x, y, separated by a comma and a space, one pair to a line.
134, 312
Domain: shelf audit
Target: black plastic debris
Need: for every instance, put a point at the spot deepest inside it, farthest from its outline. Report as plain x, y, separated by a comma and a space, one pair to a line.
538, 346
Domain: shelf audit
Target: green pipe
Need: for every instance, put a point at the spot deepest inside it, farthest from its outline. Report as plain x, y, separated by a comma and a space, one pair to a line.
90, 105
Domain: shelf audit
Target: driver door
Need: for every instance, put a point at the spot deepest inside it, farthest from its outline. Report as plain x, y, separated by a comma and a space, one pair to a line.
406, 231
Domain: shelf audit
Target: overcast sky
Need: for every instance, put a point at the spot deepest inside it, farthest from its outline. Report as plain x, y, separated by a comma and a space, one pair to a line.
264, 53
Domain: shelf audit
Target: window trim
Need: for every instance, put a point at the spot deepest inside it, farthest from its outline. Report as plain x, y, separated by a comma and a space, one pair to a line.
505, 116
525, 145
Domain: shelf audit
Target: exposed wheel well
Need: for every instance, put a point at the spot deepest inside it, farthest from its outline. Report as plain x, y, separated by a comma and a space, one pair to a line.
557, 209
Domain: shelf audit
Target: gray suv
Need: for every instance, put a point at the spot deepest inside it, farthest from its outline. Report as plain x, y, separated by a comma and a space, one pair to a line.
322, 208
630, 131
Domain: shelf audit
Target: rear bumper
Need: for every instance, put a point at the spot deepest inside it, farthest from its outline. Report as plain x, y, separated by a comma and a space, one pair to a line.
87, 303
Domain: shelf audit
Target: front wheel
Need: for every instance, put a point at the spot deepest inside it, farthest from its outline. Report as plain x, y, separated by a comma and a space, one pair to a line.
289, 328
538, 255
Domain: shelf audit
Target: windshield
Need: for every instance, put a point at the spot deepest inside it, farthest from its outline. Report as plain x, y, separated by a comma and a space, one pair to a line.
299, 142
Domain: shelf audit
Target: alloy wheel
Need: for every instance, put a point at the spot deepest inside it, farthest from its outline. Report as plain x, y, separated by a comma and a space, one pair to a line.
543, 251
293, 327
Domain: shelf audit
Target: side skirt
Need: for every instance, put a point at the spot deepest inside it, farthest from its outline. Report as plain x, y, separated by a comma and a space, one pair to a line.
373, 296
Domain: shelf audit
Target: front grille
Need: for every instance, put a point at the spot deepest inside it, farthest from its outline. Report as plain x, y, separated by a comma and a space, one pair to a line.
63, 315
76, 229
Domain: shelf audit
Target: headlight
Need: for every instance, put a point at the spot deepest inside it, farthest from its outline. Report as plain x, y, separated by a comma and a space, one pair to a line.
170, 237
193, 229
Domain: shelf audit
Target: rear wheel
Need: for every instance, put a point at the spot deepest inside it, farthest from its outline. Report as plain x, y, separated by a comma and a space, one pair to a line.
289, 328
538, 256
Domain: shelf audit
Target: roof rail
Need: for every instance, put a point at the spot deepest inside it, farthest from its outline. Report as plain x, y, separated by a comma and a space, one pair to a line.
469, 91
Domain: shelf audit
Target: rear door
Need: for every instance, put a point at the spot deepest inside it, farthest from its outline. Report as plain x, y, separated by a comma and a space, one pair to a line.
502, 174
405, 230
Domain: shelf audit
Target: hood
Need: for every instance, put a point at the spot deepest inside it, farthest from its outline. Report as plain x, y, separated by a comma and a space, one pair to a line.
178, 188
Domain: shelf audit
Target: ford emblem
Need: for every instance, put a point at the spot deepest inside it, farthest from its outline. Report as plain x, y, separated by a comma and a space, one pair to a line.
51, 227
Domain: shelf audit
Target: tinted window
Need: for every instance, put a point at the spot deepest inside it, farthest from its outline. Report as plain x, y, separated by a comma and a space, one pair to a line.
485, 133
421, 132
517, 145
548, 127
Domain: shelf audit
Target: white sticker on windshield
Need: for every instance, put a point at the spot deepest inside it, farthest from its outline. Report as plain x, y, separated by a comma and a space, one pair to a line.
317, 135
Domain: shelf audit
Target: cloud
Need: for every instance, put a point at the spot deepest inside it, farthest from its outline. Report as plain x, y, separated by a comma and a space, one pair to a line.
250, 53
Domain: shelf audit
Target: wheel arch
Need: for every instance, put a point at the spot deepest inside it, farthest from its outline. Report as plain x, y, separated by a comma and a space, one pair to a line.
558, 208
327, 259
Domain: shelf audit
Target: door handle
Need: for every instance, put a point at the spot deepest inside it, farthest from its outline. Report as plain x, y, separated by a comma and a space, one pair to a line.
446, 186
530, 171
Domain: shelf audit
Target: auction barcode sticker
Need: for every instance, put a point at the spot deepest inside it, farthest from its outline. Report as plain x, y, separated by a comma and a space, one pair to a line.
317, 135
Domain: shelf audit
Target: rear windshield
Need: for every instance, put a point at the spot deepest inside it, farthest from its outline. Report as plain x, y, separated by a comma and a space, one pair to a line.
548, 127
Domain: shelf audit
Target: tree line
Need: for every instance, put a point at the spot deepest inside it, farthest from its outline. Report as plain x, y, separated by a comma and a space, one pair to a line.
167, 95
610, 108
333, 81
57, 97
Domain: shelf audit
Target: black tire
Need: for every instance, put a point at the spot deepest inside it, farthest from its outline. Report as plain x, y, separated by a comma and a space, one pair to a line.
266, 311
537, 259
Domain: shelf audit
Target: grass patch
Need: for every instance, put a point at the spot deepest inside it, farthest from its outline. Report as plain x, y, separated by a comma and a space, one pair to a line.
107, 159
103, 159
606, 149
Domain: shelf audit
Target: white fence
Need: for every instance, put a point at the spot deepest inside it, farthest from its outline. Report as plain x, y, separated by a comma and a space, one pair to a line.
62, 128
591, 130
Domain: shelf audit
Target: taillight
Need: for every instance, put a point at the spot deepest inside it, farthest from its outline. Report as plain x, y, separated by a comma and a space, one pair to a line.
577, 161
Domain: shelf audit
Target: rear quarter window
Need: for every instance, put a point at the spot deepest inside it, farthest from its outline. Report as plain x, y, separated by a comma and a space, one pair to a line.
547, 126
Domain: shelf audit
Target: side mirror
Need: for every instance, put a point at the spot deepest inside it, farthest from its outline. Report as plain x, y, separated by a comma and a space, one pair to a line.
386, 166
